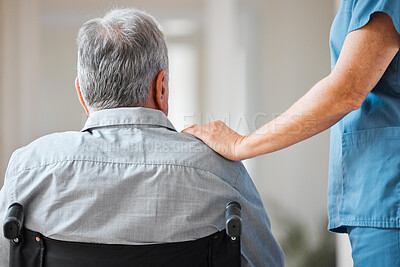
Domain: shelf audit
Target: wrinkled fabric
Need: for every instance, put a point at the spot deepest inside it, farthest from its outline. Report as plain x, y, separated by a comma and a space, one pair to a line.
372, 247
364, 168
129, 178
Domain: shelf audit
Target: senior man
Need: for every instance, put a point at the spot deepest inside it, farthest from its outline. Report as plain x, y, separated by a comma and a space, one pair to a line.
128, 177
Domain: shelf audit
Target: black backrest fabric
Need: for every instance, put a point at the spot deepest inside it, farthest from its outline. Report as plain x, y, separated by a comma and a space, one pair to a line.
35, 250
29, 251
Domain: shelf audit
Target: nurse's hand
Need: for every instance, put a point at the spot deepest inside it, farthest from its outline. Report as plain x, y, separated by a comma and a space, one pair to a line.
365, 56
220, 138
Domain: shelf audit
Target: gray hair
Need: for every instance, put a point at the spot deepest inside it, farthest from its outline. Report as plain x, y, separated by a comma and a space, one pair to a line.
119, 56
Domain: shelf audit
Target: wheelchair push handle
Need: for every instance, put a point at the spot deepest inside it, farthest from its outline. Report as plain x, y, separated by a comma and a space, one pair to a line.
233, 220
14, 220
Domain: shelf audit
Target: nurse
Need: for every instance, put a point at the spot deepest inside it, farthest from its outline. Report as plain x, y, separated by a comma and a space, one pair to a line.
361, 100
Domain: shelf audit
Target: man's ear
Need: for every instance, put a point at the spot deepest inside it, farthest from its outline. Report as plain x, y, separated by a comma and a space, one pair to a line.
161, 92
78, 91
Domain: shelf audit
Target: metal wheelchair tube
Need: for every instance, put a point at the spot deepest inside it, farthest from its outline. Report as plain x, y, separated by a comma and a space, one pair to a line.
233, 220
13, 223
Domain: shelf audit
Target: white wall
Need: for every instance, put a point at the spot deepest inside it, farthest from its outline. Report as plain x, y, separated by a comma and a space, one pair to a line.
290, 54
19, 74
2, 154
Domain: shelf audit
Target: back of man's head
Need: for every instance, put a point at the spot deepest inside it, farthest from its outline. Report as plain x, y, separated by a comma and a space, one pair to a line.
119, 56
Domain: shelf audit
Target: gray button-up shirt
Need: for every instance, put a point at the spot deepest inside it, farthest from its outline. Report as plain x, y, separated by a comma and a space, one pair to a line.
129, 178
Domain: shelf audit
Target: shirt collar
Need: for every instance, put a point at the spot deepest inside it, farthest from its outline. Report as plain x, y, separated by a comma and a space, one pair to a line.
127, 116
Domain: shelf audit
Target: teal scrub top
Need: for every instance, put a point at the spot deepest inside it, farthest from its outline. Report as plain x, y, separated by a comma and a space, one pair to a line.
364, 163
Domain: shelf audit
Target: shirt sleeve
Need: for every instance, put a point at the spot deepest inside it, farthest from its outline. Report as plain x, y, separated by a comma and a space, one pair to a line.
6, 199
259, 247
363, 9
4, 243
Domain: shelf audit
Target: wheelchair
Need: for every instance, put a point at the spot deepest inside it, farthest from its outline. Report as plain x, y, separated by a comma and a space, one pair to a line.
31, 249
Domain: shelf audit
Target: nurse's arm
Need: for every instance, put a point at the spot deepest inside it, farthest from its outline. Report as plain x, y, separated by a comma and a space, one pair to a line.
366, 54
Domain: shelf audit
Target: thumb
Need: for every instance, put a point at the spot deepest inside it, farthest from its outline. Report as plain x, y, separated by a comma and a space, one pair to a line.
196, 130
192, 129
